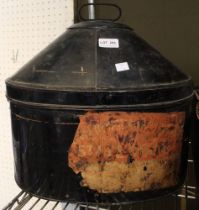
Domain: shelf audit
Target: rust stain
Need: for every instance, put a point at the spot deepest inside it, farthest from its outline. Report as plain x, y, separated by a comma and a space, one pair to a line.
107, 142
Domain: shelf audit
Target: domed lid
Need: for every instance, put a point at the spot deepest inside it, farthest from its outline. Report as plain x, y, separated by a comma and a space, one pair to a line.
99, 63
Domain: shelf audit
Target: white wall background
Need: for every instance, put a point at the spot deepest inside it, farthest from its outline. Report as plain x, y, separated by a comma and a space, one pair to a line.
26, 27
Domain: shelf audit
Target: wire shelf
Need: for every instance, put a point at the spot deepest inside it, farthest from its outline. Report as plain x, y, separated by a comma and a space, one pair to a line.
186, 198
28, 201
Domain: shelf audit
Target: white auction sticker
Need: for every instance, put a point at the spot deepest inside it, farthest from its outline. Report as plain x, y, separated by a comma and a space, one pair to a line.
109, 43
122, 67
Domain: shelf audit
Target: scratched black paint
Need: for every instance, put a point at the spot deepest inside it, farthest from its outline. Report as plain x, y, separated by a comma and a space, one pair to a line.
72, 76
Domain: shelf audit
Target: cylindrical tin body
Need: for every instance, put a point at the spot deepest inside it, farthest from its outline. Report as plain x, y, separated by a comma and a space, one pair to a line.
43, 138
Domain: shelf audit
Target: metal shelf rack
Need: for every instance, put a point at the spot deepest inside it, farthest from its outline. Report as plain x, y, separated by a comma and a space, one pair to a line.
185, 199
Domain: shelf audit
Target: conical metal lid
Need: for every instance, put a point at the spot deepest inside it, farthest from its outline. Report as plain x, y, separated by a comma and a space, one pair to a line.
99, 63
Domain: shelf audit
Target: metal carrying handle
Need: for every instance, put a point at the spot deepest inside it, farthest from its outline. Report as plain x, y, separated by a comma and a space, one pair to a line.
100, 4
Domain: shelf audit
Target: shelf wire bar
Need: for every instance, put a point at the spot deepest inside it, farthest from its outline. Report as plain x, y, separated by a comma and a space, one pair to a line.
45, 204
66, 206
23, 202
186, 195
34, 204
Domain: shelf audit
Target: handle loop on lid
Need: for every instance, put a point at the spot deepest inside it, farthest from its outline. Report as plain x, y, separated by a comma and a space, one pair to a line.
100, 4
